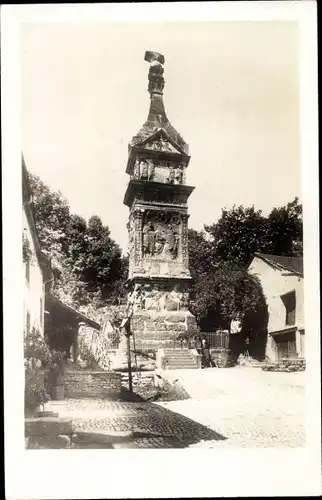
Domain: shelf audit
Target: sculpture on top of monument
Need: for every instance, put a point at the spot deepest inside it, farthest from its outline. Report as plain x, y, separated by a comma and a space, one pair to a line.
156, 80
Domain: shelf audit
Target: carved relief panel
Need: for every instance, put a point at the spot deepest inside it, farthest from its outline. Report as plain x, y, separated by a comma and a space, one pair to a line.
152, 195
161, 235
161, 143
184, 239
159, 297
131, 238
155, 170
135, 224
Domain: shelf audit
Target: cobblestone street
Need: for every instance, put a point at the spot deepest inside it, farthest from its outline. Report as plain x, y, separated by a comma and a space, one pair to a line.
248, 406
233, 407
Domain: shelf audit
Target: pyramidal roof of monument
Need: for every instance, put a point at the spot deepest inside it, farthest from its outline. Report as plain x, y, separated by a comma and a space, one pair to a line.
156, 122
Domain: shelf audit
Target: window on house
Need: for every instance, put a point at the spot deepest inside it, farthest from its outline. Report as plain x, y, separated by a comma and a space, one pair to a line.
289, 301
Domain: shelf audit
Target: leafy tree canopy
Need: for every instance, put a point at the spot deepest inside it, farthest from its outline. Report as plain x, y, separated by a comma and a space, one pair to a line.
87, 263
222, 288
240, 232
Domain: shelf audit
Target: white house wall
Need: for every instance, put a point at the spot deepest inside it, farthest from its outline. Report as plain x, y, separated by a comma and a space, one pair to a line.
276, 283
33, 291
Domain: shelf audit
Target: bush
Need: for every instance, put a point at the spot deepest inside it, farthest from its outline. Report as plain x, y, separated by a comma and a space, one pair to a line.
38, 355
35, 391
171, 392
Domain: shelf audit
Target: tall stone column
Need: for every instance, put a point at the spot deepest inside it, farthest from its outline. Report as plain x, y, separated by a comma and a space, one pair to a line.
157, 195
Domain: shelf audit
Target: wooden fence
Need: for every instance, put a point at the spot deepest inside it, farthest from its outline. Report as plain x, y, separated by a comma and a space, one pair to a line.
217, 340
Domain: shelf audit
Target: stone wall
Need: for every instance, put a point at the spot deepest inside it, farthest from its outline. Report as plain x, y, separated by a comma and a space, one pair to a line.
153, 330
286, 365
223, 358
92, 384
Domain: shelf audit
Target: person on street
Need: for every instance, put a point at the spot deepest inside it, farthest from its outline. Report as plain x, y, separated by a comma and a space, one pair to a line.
206, 358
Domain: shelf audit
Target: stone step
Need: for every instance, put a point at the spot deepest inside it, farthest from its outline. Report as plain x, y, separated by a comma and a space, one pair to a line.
176, 355
182, 364
181, 359
182, 367
168, 351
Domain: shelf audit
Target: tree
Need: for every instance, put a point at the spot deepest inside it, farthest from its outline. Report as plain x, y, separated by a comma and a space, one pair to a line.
228, 293
52, 217
285, 229
101, 262
87, 263
201, 254
240, 232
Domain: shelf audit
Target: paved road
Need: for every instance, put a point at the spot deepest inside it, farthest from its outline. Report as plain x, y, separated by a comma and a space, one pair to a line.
152, 423
250, 407
241, 407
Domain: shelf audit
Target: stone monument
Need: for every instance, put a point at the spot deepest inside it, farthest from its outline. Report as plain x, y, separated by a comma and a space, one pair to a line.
157, 195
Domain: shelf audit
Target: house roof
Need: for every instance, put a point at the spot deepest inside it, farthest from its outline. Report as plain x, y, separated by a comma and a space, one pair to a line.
282, 262
54, 305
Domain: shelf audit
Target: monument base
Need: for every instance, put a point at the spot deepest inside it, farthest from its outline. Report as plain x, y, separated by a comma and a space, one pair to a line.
153, 330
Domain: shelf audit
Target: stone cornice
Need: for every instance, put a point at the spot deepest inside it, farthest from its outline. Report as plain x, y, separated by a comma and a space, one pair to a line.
135, 186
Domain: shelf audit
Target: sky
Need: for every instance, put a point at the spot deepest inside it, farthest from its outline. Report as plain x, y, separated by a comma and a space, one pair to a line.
231, 90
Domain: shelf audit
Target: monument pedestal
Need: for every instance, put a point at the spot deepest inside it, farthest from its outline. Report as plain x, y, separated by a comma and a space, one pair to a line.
157, 329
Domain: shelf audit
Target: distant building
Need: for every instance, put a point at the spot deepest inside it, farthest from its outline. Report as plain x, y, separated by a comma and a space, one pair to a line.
36, 266
282, 281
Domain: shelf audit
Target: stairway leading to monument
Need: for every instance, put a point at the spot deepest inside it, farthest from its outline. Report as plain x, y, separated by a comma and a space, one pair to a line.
179, 358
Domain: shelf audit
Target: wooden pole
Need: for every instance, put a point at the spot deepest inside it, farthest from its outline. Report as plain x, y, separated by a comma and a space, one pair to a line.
129, 362
135, 356
126, 323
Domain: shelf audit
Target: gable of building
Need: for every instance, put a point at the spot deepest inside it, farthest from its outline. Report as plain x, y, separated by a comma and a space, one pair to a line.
291, 264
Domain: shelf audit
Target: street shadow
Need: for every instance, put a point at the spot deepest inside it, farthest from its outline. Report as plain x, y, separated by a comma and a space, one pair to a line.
185, 429
150, 421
